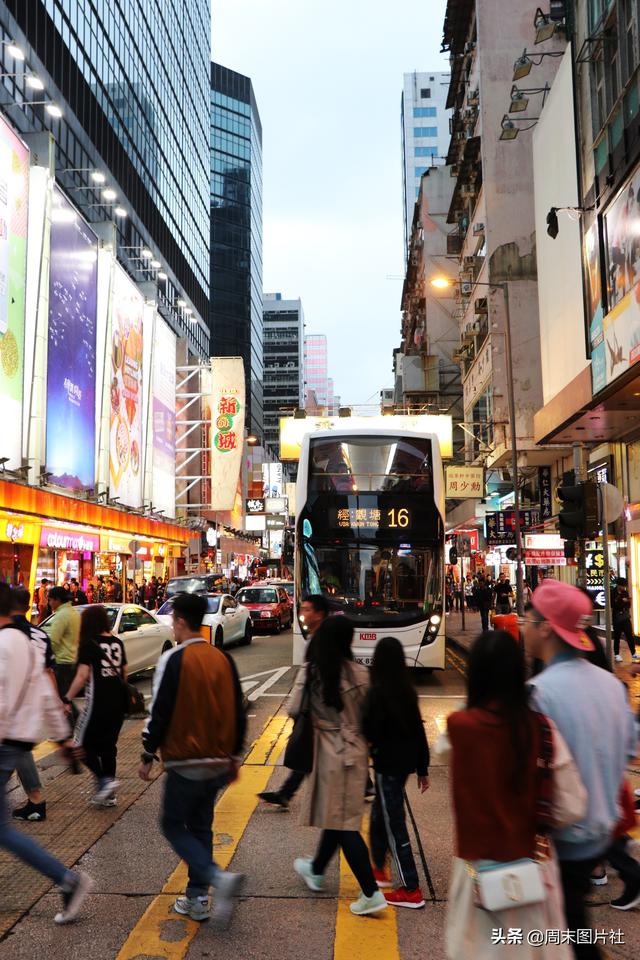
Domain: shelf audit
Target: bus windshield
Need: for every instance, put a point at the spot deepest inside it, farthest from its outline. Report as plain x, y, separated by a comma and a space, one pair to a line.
370, 535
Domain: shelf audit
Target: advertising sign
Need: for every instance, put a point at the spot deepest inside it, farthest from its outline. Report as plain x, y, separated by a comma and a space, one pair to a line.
163, 415
74, 541
125, 438
272, 479
71, 352
615, 338
293, 430
594, 563
464, 482
255, 505
500, 527
14, 195
544, 485
227, 429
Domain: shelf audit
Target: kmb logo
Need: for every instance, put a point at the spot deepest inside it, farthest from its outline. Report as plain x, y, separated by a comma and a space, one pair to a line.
368, 636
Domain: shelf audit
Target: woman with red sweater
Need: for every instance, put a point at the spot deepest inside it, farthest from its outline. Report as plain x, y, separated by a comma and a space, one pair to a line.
495, 745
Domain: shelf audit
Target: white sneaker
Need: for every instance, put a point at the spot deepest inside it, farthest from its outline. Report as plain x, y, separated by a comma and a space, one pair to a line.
303, 867
365, 905
618, 658
195, 907
106, 791
228, 886
636, 658
73, 896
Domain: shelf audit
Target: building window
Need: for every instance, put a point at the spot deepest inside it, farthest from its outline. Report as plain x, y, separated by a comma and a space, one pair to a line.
425, 112
425, 93
426, 152
425, 131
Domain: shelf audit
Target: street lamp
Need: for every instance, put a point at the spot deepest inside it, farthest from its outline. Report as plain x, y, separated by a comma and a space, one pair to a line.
441, 283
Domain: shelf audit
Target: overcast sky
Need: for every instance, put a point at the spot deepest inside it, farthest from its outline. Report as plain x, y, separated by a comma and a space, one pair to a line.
327, 76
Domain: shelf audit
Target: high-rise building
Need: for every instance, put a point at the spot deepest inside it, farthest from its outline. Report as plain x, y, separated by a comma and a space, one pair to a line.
425, 133
316, 369
283, 363
236, 231
131, 88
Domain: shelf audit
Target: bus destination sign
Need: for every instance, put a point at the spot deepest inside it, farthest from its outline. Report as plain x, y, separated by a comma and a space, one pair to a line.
372, 518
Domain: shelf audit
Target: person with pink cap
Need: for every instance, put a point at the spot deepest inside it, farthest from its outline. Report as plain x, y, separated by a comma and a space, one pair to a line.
589, 707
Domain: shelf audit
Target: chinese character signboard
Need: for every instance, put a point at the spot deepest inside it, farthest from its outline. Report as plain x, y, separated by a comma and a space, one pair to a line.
464, 482
254, 505
544, 485
227, 429
500, 527
594, 564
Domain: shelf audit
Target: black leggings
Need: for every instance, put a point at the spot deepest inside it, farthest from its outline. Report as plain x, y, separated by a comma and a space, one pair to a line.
100, 745
356, 854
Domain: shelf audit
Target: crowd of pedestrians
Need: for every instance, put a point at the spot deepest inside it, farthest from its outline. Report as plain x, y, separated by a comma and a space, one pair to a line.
537, 758
100, 589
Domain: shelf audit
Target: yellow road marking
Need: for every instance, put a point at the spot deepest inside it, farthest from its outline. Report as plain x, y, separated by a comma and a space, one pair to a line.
44, 749
362, 938
232, 815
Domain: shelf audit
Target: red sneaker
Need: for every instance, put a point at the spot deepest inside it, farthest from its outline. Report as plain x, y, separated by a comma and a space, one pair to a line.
382, 878
405, 898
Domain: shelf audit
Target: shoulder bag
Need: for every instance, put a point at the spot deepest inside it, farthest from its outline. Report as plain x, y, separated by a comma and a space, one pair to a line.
133, 700
298, 754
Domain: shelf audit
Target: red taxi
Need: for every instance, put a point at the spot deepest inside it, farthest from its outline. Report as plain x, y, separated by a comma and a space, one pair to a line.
268, 605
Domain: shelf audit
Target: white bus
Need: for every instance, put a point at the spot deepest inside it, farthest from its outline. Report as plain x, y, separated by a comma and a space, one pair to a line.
370, 536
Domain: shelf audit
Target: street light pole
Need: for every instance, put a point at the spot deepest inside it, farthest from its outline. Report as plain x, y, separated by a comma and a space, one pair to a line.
514, 448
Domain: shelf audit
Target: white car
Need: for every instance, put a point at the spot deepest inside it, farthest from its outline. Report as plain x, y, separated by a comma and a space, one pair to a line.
143, 634
230, 622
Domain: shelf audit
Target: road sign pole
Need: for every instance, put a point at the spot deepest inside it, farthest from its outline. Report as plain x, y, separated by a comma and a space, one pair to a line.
604, 515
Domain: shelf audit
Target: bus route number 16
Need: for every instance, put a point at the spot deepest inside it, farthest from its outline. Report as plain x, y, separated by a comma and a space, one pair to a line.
398, 518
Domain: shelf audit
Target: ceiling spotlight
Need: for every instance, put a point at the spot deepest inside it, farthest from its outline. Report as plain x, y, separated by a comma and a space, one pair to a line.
120, 211
155, 264
519, 102
98, 177
53, 111
522, 67
188, 311
181, 303
161, 275
146, 254
544, 25
35, 83
109, 194
15, 51
509, 129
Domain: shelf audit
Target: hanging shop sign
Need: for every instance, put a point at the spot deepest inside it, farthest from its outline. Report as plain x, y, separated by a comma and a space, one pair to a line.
76, 541
594, 566
227, 428
275, 523
14, 195
272, 479
500, 527
16, 531
254, 506
545, 558
275, 504
110, 544
546, 498
71, 351
464, 482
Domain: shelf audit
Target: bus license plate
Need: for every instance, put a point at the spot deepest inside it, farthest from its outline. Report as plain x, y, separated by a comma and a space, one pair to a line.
367, 661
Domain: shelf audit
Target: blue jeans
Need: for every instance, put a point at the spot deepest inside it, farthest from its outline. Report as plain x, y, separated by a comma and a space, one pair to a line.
186, 821
388, 830
17, 843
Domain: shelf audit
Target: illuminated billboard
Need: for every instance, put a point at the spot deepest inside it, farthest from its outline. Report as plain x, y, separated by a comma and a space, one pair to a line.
163, 418
71, 350
227, 429
292, 430
125, 421
14, 195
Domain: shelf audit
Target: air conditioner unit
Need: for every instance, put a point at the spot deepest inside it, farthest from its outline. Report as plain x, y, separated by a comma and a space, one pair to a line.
470, 263
478, 228
470, 114
474, 97
476, 326
465, 289
480, 306
467, 190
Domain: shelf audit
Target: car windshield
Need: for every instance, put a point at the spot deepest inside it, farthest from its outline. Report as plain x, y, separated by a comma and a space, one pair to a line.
111, 611
187, 585
167, 608
257, 595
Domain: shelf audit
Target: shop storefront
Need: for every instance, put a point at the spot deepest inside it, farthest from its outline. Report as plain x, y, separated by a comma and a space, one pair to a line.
18, 549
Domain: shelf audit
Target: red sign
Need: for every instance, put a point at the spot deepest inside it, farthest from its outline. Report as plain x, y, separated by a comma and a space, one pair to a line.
368, 636
545, 558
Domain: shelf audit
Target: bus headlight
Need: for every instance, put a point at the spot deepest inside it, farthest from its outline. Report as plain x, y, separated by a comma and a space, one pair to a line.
435, 619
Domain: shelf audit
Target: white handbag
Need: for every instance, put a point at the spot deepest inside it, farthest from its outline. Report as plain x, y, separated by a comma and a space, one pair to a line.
508, 885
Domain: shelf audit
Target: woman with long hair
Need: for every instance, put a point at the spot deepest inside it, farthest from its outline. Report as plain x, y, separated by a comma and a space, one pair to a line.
334, 799
102, 671
498, 800
392, 724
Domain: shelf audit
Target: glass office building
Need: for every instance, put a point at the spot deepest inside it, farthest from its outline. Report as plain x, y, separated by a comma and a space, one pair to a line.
132, 80
236, 315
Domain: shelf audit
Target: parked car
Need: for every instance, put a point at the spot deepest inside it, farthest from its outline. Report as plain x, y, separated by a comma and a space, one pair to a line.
196, 583
230, 622
144, 636
269, 606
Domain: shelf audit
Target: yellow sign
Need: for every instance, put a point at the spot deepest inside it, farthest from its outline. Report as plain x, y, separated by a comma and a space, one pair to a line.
464, 482
293, 430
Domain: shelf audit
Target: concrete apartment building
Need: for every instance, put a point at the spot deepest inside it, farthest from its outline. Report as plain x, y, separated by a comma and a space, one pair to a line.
283, 363
425, 132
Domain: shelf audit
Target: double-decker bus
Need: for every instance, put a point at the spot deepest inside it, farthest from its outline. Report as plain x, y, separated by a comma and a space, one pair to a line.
370, 536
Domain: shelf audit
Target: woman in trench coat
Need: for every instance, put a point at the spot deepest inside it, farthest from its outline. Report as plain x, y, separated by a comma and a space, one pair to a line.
334, 797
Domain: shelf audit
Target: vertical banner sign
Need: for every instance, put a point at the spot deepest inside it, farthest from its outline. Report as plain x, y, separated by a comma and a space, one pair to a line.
227, 429
14, 194
71, 351
594, 566
125, 437
163, 416
544, 484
